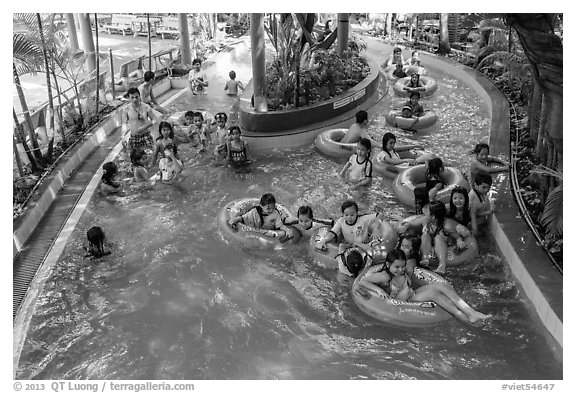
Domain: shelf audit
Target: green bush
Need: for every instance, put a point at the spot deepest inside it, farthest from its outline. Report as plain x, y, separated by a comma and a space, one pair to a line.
329, 75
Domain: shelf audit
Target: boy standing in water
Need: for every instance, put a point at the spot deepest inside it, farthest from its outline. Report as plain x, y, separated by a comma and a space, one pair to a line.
146, 93
232, 85
358, 130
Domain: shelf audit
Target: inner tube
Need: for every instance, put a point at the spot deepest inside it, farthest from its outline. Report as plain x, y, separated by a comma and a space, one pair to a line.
383, 235
381, 167
455, 256
328, 142
397, 312
177, 118
414, 177
414, 69
430, 86
248, 237
394, 118
408, 69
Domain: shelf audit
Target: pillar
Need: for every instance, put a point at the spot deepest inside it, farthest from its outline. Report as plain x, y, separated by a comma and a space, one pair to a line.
258, 62
184, 40
88, 42
72, 32
342, 34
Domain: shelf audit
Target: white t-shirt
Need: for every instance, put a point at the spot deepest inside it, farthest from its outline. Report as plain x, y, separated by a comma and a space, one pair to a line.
359, 170
357, 232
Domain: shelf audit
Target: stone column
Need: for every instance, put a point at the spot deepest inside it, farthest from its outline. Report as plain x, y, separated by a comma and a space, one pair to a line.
87, 41
184, 40
72, 32
342, 35
258, 62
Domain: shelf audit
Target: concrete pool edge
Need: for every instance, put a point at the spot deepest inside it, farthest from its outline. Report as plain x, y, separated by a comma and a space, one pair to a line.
542, 284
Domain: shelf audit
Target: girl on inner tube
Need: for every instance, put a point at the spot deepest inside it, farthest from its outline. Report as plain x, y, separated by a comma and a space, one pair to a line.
389, 280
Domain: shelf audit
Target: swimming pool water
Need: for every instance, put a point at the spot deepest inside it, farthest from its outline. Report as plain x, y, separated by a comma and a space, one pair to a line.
176, 300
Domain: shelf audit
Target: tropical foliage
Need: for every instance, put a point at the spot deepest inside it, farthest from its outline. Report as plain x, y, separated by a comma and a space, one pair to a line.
303, 74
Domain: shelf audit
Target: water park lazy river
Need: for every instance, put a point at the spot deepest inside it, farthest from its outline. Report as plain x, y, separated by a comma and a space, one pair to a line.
181, 298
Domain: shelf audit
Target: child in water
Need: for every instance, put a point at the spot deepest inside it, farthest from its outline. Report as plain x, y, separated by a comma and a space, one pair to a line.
139, 160
414, 105
395, 57
221, 134
483, 161
480, 206
414, 84
237, 151
147, 94
392, 276
200, 129
305, 221
265, 217
170, 166
232, 85
197, 78
353, 229
414, 60
398, 71
165, 137
459, 206
96, 245
359, 165
434, 181
389, 154
109, 185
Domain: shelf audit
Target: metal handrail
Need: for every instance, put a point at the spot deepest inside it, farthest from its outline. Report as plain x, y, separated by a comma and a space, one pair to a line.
516, 191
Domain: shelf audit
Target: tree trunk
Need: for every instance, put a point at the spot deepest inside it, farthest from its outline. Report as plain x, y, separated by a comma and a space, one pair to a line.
536, 108
27, 118
22, 139
59, 111
258, 62
389, 24
444, 40
48, 85
544, 51
97, 103
17, 157
542, 130
343, 27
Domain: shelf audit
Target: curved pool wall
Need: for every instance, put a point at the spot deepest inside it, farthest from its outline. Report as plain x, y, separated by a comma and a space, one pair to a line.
298, 127
531, 266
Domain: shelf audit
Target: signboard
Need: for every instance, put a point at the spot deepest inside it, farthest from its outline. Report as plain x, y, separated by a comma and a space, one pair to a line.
347, 100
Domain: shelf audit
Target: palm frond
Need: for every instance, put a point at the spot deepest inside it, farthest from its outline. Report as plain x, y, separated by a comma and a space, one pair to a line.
551, 218
504, 57
543, 170
23, 48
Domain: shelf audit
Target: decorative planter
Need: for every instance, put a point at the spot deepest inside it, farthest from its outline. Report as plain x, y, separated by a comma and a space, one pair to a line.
284, 121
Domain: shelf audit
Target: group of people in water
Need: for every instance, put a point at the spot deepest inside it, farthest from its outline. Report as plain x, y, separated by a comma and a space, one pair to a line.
388, 274
411, 109
160, 154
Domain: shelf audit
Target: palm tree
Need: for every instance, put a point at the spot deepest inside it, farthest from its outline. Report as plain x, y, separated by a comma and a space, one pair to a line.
544, 51
48, 86
23, 49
